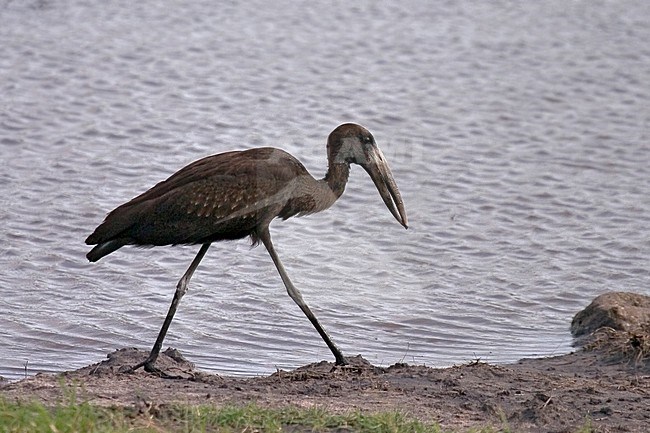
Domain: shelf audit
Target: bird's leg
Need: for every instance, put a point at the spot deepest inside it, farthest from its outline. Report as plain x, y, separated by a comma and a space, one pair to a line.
181, 289
265, 236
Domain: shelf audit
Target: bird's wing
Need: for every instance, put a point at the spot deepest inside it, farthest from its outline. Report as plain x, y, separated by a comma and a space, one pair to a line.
218, 197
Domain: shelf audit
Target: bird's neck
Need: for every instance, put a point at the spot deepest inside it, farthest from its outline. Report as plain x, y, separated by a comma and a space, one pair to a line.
336, 178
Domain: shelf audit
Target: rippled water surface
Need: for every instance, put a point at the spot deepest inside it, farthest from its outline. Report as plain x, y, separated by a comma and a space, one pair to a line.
517, 132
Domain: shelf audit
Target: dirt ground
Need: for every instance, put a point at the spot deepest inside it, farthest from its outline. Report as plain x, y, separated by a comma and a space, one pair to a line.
607, 385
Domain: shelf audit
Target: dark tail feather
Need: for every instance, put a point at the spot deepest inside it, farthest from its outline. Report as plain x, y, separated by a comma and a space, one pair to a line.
105, 248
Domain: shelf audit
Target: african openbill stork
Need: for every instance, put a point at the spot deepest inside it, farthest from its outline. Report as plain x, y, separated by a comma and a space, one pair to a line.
237, 194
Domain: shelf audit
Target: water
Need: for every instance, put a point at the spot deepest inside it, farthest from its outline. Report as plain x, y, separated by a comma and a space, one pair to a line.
518, 134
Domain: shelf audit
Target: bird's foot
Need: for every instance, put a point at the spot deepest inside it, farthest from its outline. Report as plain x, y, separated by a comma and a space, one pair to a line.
355, 365
341, 361
148, 366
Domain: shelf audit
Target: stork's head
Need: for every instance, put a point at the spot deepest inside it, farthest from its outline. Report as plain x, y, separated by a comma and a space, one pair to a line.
352, 143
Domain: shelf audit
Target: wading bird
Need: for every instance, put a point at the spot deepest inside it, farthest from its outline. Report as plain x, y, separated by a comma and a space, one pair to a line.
237, 194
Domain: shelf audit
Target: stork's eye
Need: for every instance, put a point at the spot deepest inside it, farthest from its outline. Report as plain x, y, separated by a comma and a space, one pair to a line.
366, 139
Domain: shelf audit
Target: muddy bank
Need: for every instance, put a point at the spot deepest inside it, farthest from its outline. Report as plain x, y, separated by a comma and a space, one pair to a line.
558, 394
605, 384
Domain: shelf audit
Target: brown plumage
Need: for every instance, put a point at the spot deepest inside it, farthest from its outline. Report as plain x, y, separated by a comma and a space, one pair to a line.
237, 194
224, 196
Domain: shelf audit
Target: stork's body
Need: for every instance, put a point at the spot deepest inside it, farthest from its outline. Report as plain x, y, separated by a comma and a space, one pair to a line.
237, 194
225, 196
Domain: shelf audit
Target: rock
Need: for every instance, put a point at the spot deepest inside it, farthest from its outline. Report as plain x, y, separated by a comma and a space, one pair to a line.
621, 311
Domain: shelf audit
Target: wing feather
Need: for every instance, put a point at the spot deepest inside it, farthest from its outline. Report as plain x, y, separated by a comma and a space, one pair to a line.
222, 196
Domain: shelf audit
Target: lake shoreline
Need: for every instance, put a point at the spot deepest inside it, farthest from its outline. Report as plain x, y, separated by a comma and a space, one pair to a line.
596, 386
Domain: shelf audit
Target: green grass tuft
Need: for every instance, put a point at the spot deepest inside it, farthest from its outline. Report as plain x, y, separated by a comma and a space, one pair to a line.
71, 416
66, 418
253, 418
